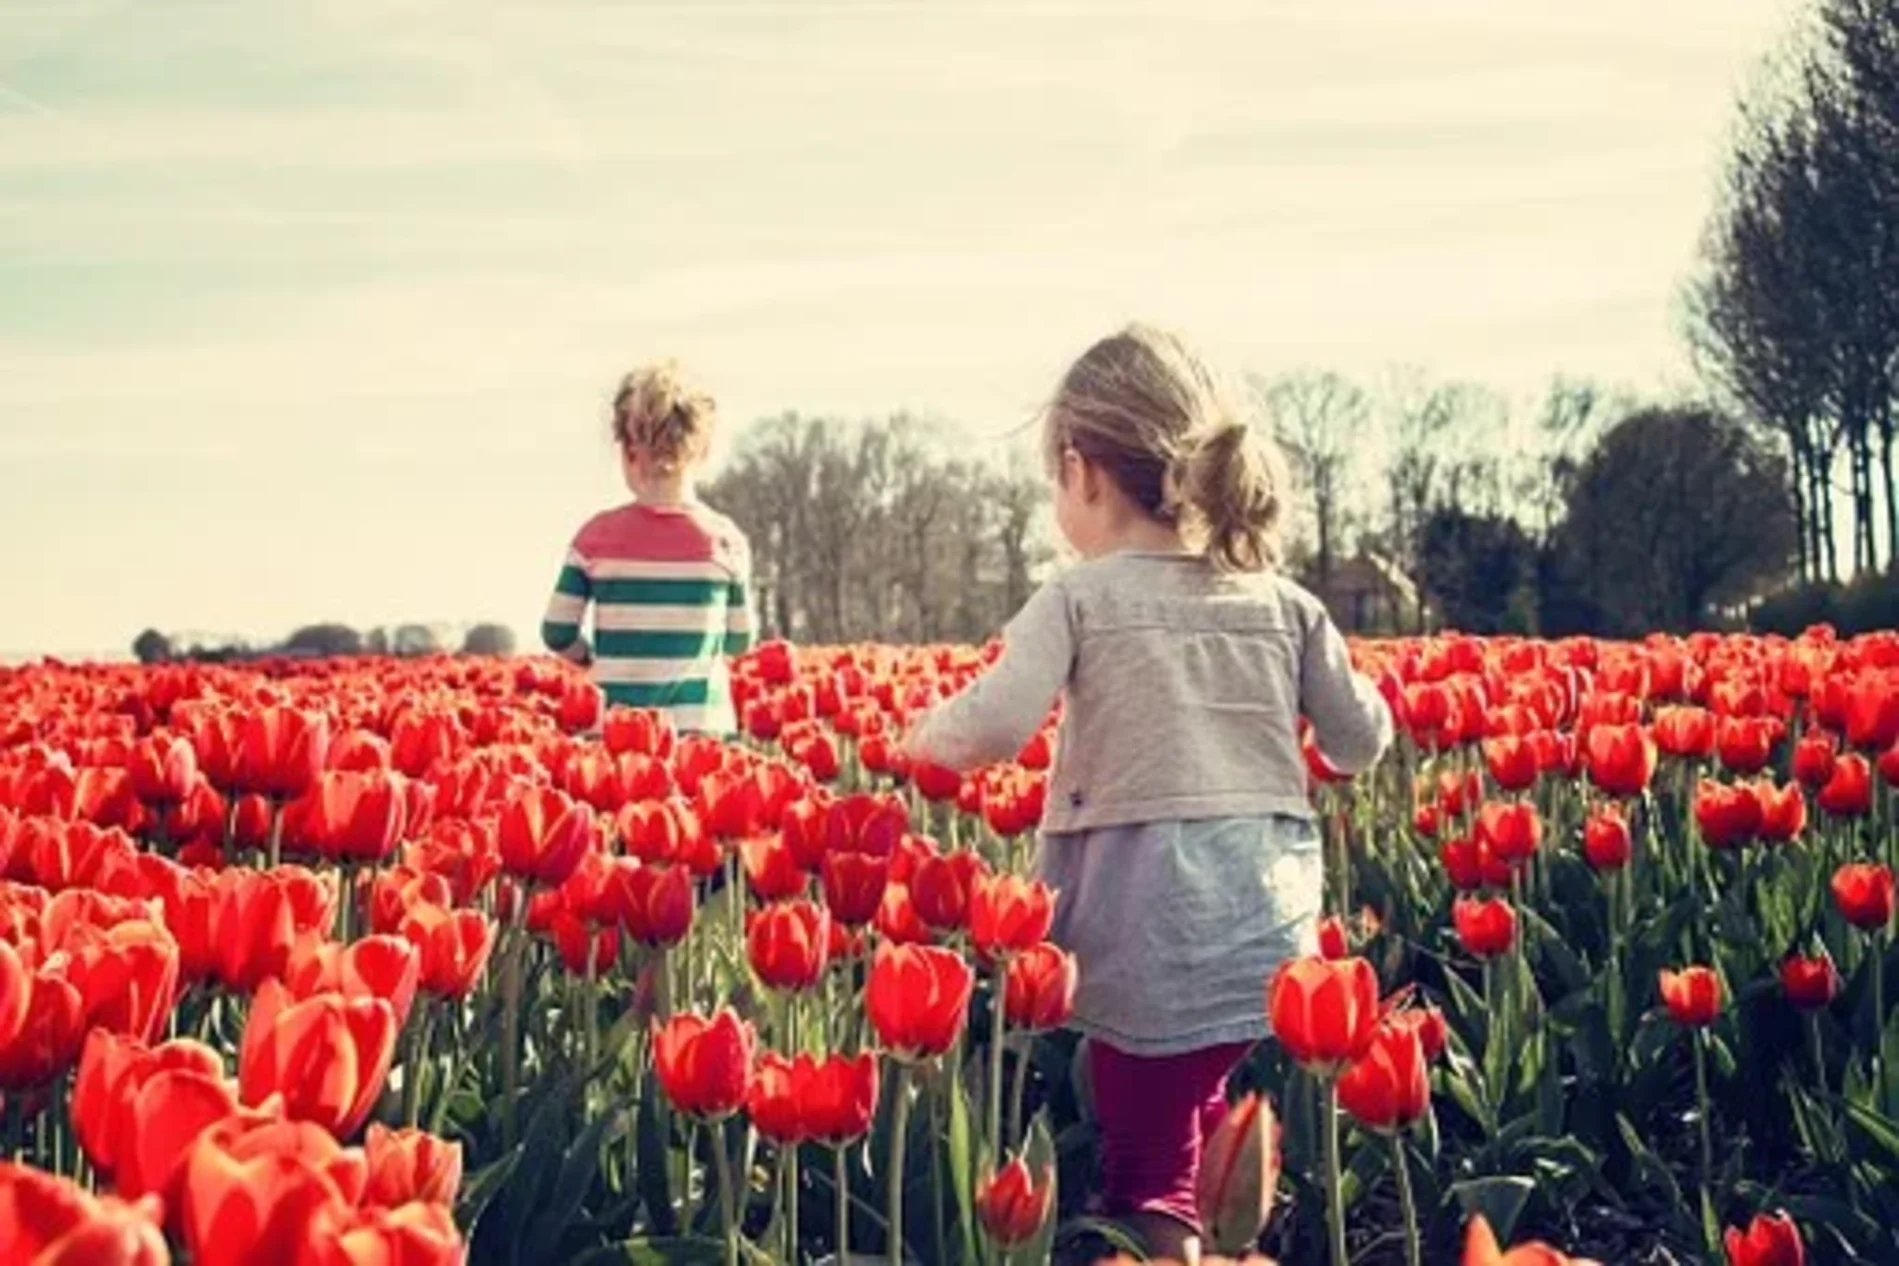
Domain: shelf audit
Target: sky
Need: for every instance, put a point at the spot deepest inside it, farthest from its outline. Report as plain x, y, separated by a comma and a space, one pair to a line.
310, 309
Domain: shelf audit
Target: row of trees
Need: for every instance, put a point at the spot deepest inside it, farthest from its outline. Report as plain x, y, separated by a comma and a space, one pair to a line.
328, 640
882, 530
1796, 312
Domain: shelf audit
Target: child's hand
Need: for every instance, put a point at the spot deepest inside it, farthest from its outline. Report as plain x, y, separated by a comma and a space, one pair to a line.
580, 652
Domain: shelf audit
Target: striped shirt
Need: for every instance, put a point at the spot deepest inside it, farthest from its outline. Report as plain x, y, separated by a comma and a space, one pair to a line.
670, 591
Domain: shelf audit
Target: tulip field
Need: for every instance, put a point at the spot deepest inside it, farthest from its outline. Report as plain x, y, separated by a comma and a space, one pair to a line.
426, 961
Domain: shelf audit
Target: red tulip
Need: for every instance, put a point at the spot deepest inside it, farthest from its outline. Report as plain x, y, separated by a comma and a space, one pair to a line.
1512, 762
1511, 829
51, 1221
544, 835
106, 1105
1809, 983
327, 1056
580, 706
355, 817
1849, 792
832, 1101
1009, 914
653, 903
16, 993
1620, 759
641, 730
47, 1041
386, 967
854, 886
127, 976
1333, 942
1864, 894
1428, 1022
257, 920
1389, 1086
1692, 995
1324, 1013
163, 769
897, 918
788, 944
918, 999
410, 1165
1013, 1205
1685, 732
454, 947
264, 1194
1770, 1240
1486, 927
1239, 1173
941, 887
705, 1066
1813, 759
770, 868
280, 752
1727, 815
1039, 989
1606, 843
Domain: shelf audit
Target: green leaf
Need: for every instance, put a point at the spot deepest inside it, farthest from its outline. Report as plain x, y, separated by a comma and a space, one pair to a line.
1882, 1131
651, 1155
1649, 1169
1499, 1199
962, 1164
573, 1185
659, 1251
481, 1187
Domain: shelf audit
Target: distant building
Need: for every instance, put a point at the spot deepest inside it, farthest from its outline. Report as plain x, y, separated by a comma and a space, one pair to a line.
1368, 594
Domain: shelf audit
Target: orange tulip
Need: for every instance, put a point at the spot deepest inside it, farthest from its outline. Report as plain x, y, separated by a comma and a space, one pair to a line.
454, 947
410, 1165
137, 1137
1324, 1013
264, 1195
1009, 914
328, 1056
1692, 995
415, 1234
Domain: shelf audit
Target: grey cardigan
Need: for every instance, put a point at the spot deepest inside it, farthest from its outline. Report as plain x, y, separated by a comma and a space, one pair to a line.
1182, 689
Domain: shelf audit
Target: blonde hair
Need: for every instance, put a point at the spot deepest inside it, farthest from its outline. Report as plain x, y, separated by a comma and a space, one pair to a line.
659, 412
1147, 410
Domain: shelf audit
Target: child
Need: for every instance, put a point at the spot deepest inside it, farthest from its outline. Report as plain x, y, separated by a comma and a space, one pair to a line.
668, 578
1178, 831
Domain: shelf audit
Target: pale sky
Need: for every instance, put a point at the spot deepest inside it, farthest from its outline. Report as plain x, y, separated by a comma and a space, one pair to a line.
310, 310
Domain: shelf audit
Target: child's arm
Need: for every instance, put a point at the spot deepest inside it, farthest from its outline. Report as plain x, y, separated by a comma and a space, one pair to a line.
1350, 722
999, 712
560, 628
741, 622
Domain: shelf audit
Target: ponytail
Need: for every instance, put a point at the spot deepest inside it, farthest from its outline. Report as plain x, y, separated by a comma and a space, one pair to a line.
1233, 485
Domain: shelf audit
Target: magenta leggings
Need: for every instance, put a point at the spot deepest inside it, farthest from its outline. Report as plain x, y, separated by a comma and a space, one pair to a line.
1155, 1114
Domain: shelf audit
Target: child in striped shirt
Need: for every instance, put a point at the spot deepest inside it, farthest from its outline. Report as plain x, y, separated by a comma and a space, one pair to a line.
669, 579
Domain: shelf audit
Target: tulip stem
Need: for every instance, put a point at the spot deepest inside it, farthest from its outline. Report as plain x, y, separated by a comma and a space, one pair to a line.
1701, 1104
412, 1071
1879, 1004
728, 1217
899, 1136
1413, 1251
1817, 1050
1334, 1200
511, 985
1020, 1092
790, 1161
840, 1182
276, 844
997, 1037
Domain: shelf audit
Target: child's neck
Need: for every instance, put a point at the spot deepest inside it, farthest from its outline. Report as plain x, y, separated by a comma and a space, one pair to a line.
1143, 535
675, 491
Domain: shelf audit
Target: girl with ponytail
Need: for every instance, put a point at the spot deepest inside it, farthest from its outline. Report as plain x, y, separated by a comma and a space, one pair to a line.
1178, 831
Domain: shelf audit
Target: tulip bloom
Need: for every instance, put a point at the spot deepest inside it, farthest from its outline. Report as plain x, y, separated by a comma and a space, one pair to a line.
918, 999
1485, 927
1333, 943
410, 1165
941, 887
1849, 792
1692, 995
265, 1194
1013, 1205
1324, 1013
705, 1066
1389, 1086
1770, 1240
386, 967
1606, 844
543, 836
327, 1056
1809, 983
770, 868
1239, 1173
355, 816
1783, 811
1620, 759
854, 886
652, 903
136, 1109
51, 1221
49, 1034
1511, 829
454, 947
1813, 759
1864, 894
1039, 989
788, 945
164, 770
1009, 914
280, 752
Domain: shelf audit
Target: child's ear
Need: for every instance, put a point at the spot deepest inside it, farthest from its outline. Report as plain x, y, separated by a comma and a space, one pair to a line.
1091, 477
